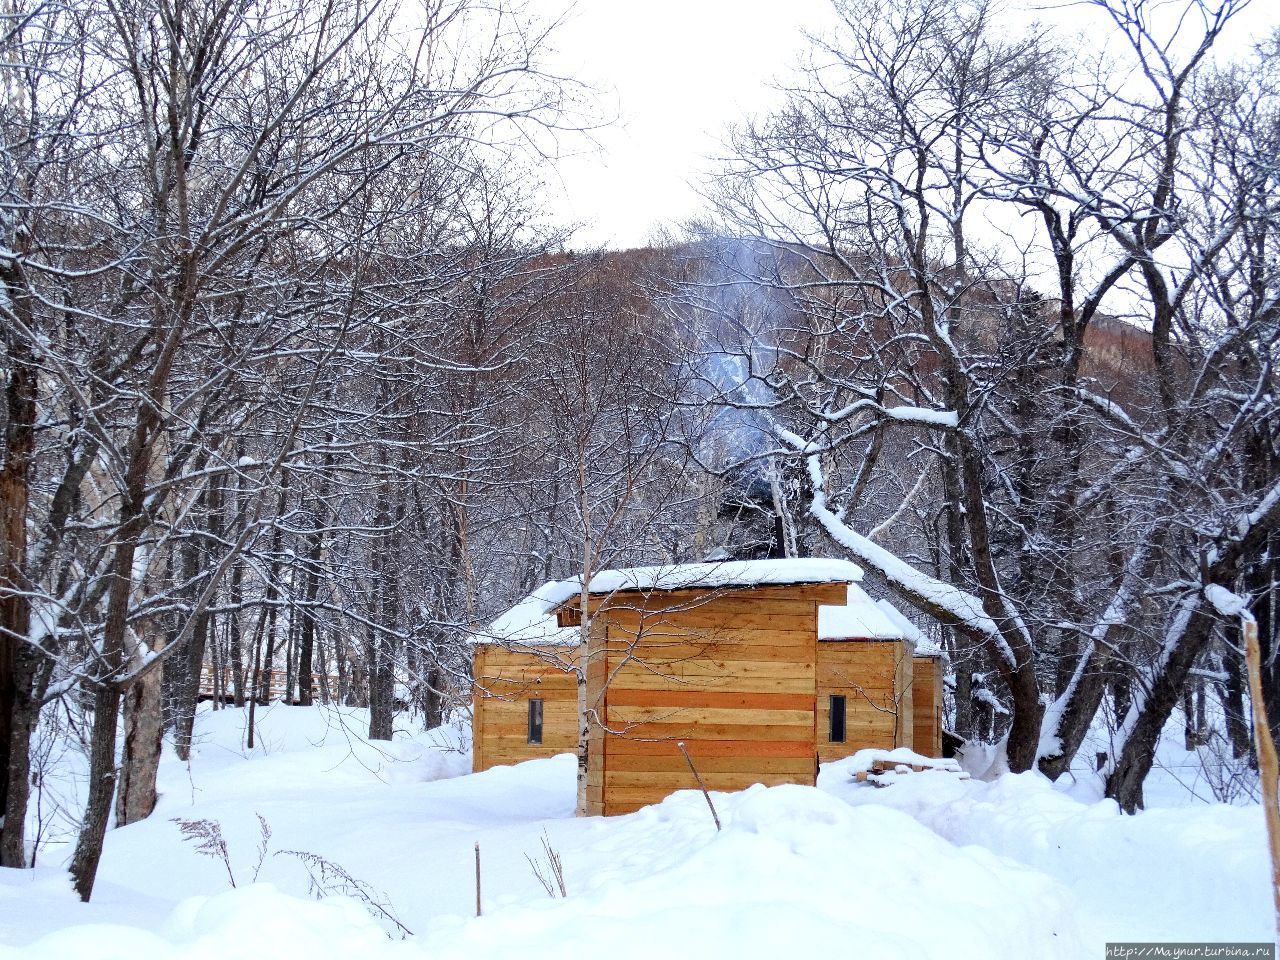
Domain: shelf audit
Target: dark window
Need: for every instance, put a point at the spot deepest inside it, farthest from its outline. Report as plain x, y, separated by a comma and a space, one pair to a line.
535, 721
836, 731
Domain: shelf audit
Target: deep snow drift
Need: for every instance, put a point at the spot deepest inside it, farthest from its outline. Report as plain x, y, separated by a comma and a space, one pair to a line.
933, 866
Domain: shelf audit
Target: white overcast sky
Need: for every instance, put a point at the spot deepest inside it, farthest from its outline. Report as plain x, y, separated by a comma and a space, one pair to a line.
675, 73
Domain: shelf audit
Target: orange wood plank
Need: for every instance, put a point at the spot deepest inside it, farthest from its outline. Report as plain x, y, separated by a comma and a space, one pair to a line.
621, 746
709, 698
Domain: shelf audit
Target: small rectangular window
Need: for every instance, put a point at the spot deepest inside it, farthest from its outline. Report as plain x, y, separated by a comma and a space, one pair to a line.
836, 712
535, 721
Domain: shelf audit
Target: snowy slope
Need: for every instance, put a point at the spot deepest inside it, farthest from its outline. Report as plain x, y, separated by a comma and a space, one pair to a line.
932, 867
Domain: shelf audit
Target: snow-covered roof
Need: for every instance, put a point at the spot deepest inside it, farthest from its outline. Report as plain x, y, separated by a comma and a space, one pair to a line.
726, 573
860, 617
532, 621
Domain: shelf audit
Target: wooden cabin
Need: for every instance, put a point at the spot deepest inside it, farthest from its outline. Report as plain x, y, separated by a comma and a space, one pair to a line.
762, 669
524, 694
928, 671
525, 706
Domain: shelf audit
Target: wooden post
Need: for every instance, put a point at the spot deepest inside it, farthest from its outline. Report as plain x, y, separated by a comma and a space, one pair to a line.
477, 879
706, 796
1268, 766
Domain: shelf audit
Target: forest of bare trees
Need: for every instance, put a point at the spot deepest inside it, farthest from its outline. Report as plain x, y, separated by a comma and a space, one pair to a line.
301, 387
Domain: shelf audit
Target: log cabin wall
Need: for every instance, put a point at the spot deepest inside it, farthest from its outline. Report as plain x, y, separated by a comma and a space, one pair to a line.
504, 683
875, 679
927, 688
731, 673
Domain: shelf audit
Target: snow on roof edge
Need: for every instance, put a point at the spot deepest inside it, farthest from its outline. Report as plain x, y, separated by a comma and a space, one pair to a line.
924, 646
859, 618
726, 573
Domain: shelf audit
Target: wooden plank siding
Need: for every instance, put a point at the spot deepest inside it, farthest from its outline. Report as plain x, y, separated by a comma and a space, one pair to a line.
504, 681
730, 674
875, 678
926, 688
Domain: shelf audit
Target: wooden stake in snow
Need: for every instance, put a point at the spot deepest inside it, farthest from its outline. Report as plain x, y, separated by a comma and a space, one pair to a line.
689, 760
1268, 765
477, 879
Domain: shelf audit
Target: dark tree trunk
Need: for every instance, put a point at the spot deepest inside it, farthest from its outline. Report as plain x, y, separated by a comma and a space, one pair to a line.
322, 686
382, 649
381, 689
964, 701
1079, 711
1121, 691
382, 667
1137, 752
291, 650
1190, 733
306, 643
255, 655
15, 606
1019, 675
344, 670
140, 758
184, 722
1098, 669
217, 664
267, 677
1262, 580
1232, 689
235, 648
310, 593
24, 716
264, 668
1097, 673
433, 699
191, 661
106, 700
102, 786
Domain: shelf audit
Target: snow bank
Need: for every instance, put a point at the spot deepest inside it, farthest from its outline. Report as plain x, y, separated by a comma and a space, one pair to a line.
1194, 873
294, 745
931, 866
243, 924
794, 872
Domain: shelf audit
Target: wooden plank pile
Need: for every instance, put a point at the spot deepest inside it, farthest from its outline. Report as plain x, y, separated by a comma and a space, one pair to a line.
883, 772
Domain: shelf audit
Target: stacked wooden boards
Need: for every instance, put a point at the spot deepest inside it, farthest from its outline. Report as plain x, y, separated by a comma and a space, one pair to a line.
926, 688
505, 681
729, 672
875, 678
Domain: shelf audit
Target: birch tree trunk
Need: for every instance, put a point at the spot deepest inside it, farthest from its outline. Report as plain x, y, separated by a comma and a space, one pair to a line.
143, 729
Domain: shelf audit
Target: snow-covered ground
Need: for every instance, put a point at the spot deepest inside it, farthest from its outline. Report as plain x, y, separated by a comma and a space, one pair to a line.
933, 866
